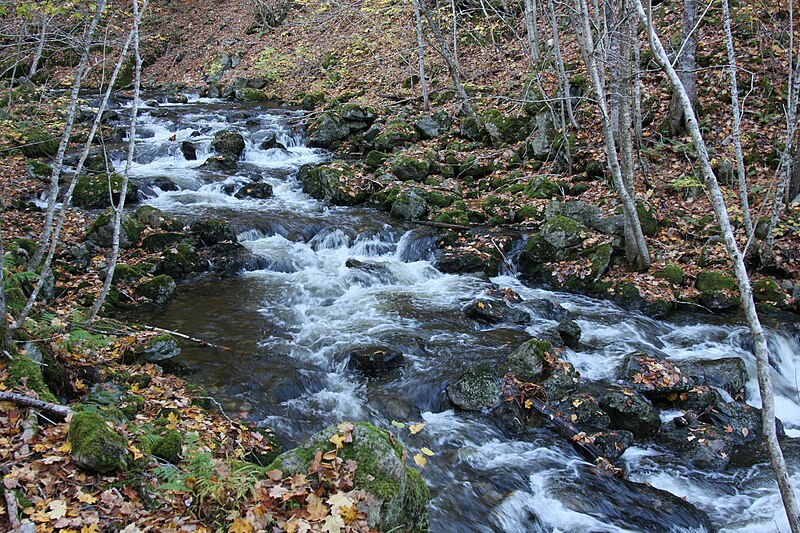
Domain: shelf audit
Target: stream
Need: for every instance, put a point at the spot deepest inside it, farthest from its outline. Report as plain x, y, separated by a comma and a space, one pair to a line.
293, 323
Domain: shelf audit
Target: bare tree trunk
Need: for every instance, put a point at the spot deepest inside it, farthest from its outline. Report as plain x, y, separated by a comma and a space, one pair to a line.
737, 121
686, 65
119, 209
531, 25
584, 33
47, 229
637, 88
67, 198
421, 46
4, 340
562, 73
53, 409
37, 57
448, 58
759, 340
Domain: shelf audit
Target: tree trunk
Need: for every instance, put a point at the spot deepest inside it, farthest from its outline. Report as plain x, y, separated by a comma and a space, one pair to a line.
636, 240
37, 57
531, 25
119, 209
759, 340
67, 198
4, 340
686, 66
47, 229
53, 409
421, 47
737, 121
448, 58
562, 73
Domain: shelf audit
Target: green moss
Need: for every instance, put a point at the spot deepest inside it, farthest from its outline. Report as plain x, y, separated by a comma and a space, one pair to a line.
91, 191
768, 290
452, 217
160, 289
715, 281
39, 169
127, 274
168, 447
375, 159
181, 260
528, 212
38, 143
408, 168
24, 372
647, 219
491, 202
439, 200
248, 94
542, 187
95, 446
672, 273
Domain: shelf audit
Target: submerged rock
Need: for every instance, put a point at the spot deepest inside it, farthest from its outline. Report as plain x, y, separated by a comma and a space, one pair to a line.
374, 361
229, 144
400, 494
496, 312
476, 389
258, 190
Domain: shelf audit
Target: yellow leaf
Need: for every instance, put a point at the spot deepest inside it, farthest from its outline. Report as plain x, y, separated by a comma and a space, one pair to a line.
91, 528
415, 428
397, 424
338, 440
349, 514
428, 452
65, 448
173, 421
481, 305
57, 509
420, 460
240, 525
86, 498
137, 454
528, 404
573, 417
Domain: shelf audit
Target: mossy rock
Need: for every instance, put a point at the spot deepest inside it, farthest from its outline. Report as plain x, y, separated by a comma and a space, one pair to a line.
452, 216
542, 187
229, 144
127, 274
24, 372
331, 184
409, 205
160, 289
168, 447
159, 348
101, 232
92, 191
672, 273
212, 231
710, 280
527, 361
396, 134
768, 290
180, 261
39, 170
36, 142
249, 94
159, 242
375, 160
508, 128
408, 168
401, 496
111, 401
476, 389
473, 167
328, 130
95, 446
647, 219
154, 218
528, 212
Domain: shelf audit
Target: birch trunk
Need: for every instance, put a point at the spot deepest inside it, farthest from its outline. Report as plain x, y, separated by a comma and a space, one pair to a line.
584, 34
119, 209
421, 47
686, 64
4, 340
746, 292
450, 60
531, 25
67, 198
47, 228
562, 73
737, 121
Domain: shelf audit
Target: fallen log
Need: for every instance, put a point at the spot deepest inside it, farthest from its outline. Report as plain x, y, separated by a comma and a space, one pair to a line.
53, 409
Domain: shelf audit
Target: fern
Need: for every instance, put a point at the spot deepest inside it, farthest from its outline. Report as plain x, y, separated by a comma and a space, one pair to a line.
18, 279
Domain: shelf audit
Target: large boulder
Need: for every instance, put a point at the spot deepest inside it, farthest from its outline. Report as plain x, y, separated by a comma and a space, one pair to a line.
589, 215
542, 140
258, 190
399, 492
159, 290
557, 239
430, 126
92, 191
101, 232
36, 142
630, 411
652, 375
213, 231
374, 361
476, 389
528, 361
327, 130
409, 205
395, 135
158, 348
408, 168
229, 144
727, 373
95, 446
697, 444
496, 312
330, 183
718, 291
180, 261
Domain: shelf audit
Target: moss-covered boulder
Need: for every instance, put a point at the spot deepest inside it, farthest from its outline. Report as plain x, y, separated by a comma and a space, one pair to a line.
160, 289
395, 135
229, 144
473, 167
158, 348
212, 231
476, 389
375, 160
408, 168
94, 191
158, 242
38, 170
528, 361
101, 232
36, 142
168, 447
400, 494
154, 218
219, 163
95, 446
409, 205
328, 130
332, 184
352, 112
556, 238
127, 274
672, 273
180, 261
250, 94
542, 187
647, 219
24, 372
718, 291
767, 290
505, 128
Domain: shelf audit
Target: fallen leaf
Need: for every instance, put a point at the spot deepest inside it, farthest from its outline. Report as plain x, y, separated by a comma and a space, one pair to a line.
415, 428
428, 452
420, 460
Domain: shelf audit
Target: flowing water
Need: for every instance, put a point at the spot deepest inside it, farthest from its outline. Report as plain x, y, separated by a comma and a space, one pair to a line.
292, 324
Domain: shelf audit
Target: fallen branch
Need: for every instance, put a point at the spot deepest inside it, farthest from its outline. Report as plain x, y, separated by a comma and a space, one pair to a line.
13, 511
53, 409
505, 259
187, 337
